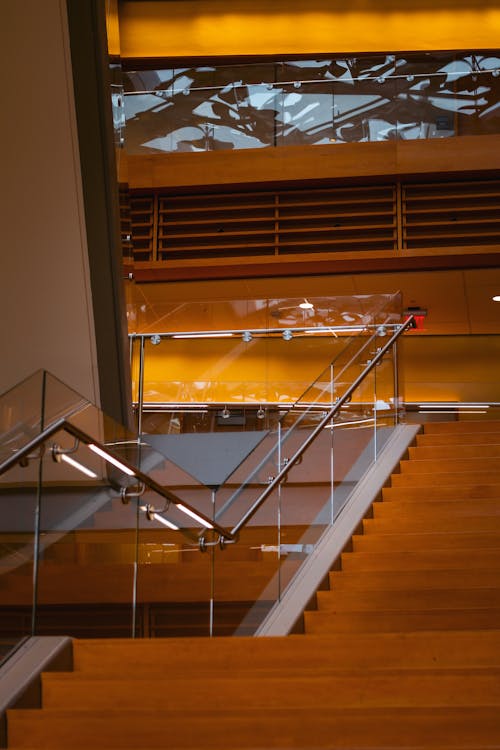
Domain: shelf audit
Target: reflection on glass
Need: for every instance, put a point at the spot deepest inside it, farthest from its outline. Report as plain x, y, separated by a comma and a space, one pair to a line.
18, 503
367, 98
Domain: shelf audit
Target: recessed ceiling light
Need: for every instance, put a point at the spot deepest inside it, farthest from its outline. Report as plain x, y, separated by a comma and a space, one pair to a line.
306, 305
496, 298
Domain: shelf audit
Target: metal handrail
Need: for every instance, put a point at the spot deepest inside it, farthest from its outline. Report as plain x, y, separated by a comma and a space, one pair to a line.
261, 332
225, 534
330, 414
78, 434
365, 345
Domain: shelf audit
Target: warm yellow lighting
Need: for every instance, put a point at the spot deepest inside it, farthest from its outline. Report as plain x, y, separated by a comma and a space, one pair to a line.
111, 460
194, 515
201, 335
164, 521
77, 465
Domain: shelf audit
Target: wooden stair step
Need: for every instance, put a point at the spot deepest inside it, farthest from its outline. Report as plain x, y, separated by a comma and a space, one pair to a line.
481, 491
411, 650
293, 728
459, 438
431, 522
436, 509
409, 600
414, 580
459, 464
436, 540
443, 479
470, 427
364, 689
421, 560
450, 451
392, 621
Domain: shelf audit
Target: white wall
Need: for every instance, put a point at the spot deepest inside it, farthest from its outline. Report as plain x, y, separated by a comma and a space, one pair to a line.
46, 318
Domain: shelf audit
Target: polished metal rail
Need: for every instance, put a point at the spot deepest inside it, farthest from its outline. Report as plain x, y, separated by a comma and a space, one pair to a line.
83, 437
330, 414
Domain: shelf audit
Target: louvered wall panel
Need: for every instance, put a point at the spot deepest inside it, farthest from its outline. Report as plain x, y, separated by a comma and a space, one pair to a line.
338, 219
214, 226
142, 221
450, 214
171, 229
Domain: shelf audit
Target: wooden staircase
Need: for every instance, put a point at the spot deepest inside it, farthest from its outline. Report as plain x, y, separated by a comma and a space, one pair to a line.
403, 650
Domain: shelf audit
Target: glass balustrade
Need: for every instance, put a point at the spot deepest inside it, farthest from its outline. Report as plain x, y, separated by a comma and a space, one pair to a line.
403, 96
105, 534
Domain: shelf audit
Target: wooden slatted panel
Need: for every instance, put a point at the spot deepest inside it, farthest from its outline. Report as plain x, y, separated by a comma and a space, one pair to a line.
338, 219
449, 214
142, 225
214, 226
125, 223
317, 221
257, 224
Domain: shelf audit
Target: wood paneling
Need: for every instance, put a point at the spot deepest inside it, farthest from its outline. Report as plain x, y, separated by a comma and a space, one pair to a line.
403, 222
268, 166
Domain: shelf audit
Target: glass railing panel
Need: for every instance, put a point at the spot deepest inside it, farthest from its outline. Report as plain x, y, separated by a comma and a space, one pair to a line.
18, 504
21, 410
170, 419
296, 422
87, 549
31, 406
173, 462
174, 578
306, 115
235, 116
87, 542
60, 400
246, 574
366, 111
478, 105
344, 100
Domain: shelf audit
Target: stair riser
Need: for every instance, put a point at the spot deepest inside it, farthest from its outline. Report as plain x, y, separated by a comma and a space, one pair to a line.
368, 690
389, 599
356, 651
440, 465
473, 480
445, 439
430, 560
414, 580
422, 452
392, 622
456, 492
413, 541
291, 728
470, 427
431, 522
436, 509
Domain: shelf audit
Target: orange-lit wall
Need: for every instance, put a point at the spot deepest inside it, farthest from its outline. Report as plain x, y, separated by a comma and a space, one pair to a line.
183, 28
449, 368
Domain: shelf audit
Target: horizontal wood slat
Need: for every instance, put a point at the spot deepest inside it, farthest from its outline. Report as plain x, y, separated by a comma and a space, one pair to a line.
168, 229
